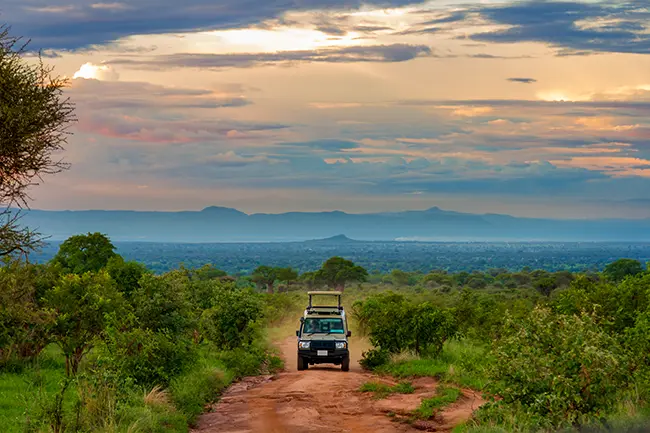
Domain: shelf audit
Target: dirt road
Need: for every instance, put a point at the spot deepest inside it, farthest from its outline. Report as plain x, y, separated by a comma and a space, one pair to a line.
322, 399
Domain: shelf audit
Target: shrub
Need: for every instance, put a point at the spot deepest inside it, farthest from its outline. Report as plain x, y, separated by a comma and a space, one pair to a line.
374, 358
563, 368
232, 322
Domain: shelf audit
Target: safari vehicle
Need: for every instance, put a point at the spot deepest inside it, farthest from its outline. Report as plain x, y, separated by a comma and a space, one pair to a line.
323, 334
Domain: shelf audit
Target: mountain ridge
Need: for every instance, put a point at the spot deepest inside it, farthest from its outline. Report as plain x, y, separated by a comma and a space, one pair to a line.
217, 224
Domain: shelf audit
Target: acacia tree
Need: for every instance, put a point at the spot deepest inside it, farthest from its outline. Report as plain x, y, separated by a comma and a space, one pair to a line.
337, 271
34, 121
265, 276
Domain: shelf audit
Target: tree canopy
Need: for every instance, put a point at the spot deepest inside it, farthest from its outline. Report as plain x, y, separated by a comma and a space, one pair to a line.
337, 271
34, 118
83, 253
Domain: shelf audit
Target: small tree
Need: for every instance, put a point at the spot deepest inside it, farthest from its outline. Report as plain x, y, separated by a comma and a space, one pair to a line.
34, 117
84, 253
265, 276
81, 304
286, 275
618, 270
337, 271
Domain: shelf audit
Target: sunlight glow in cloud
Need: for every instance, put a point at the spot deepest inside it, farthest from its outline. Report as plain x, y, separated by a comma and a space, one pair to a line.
90, 71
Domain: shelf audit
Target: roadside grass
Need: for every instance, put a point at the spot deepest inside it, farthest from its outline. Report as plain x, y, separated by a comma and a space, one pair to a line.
382, 390
27, 397
430, 406
463, 363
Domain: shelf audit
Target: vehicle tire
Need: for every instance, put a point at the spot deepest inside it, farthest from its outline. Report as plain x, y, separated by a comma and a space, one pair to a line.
302, 364
345, 364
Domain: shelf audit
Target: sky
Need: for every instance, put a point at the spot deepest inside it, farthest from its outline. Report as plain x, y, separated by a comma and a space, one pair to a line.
534, 108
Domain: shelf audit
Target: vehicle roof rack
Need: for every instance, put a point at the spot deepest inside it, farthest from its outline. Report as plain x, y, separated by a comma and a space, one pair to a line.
325, 309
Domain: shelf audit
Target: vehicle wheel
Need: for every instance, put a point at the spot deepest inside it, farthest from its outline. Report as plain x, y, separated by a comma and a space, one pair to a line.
302, 364
345, 364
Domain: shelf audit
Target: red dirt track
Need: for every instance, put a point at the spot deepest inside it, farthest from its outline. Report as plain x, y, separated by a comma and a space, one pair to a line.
323, 399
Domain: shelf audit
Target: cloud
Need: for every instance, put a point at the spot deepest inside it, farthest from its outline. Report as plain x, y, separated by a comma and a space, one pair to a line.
72, 24
106, 95
96, 72
575, 27
522, 80
374, 53
324, 144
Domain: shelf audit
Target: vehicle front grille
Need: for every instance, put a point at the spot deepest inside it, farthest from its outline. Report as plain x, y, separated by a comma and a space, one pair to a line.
322, 345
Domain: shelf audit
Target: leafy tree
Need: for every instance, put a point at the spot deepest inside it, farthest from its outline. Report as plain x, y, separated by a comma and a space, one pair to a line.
286, 275
231, 323
309, 278
265, 276
161, 304
34, 117
618, 270
81, 304
125, 274
24, 323
84, 253
545, 286
337, 271
208, 272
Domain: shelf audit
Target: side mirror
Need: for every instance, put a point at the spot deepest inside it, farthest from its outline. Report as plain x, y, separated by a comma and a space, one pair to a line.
302, 320
297, 333
349, 334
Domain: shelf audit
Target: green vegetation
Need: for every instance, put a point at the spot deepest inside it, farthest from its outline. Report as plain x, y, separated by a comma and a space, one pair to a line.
34, 120
445, 396
382, 390
91, 342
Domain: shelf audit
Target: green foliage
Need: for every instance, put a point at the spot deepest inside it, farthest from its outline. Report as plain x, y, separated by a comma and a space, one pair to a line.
618, 270
81, 304
374, 358
336, 272
144, 356
24, 323
85, 253
126, 275
161, 304
198, 386
396, 324
563, 368
265, 276
34, 117
232, 322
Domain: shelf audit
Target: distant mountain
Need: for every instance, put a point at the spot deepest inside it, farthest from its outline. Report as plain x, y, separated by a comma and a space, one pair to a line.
338, 239
220, 224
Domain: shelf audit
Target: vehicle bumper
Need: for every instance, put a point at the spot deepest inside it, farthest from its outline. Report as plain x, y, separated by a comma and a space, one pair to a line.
333, 356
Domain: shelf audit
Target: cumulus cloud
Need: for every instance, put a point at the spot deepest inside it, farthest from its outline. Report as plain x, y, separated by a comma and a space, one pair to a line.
374, 53
96, 72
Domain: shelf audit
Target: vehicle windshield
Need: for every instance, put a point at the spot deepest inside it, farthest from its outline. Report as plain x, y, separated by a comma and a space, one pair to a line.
323, 326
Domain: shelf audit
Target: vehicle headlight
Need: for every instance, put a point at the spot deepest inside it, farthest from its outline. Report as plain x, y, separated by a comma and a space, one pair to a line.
304, 344
341, 345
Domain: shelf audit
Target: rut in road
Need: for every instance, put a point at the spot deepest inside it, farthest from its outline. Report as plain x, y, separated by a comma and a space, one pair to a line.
320, 399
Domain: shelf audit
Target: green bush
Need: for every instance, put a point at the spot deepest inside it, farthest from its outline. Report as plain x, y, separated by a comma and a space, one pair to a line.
374, 358
147, 357
562, 368
233, 322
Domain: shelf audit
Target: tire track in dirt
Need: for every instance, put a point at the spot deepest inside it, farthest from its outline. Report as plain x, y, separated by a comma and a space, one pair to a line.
319, 399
